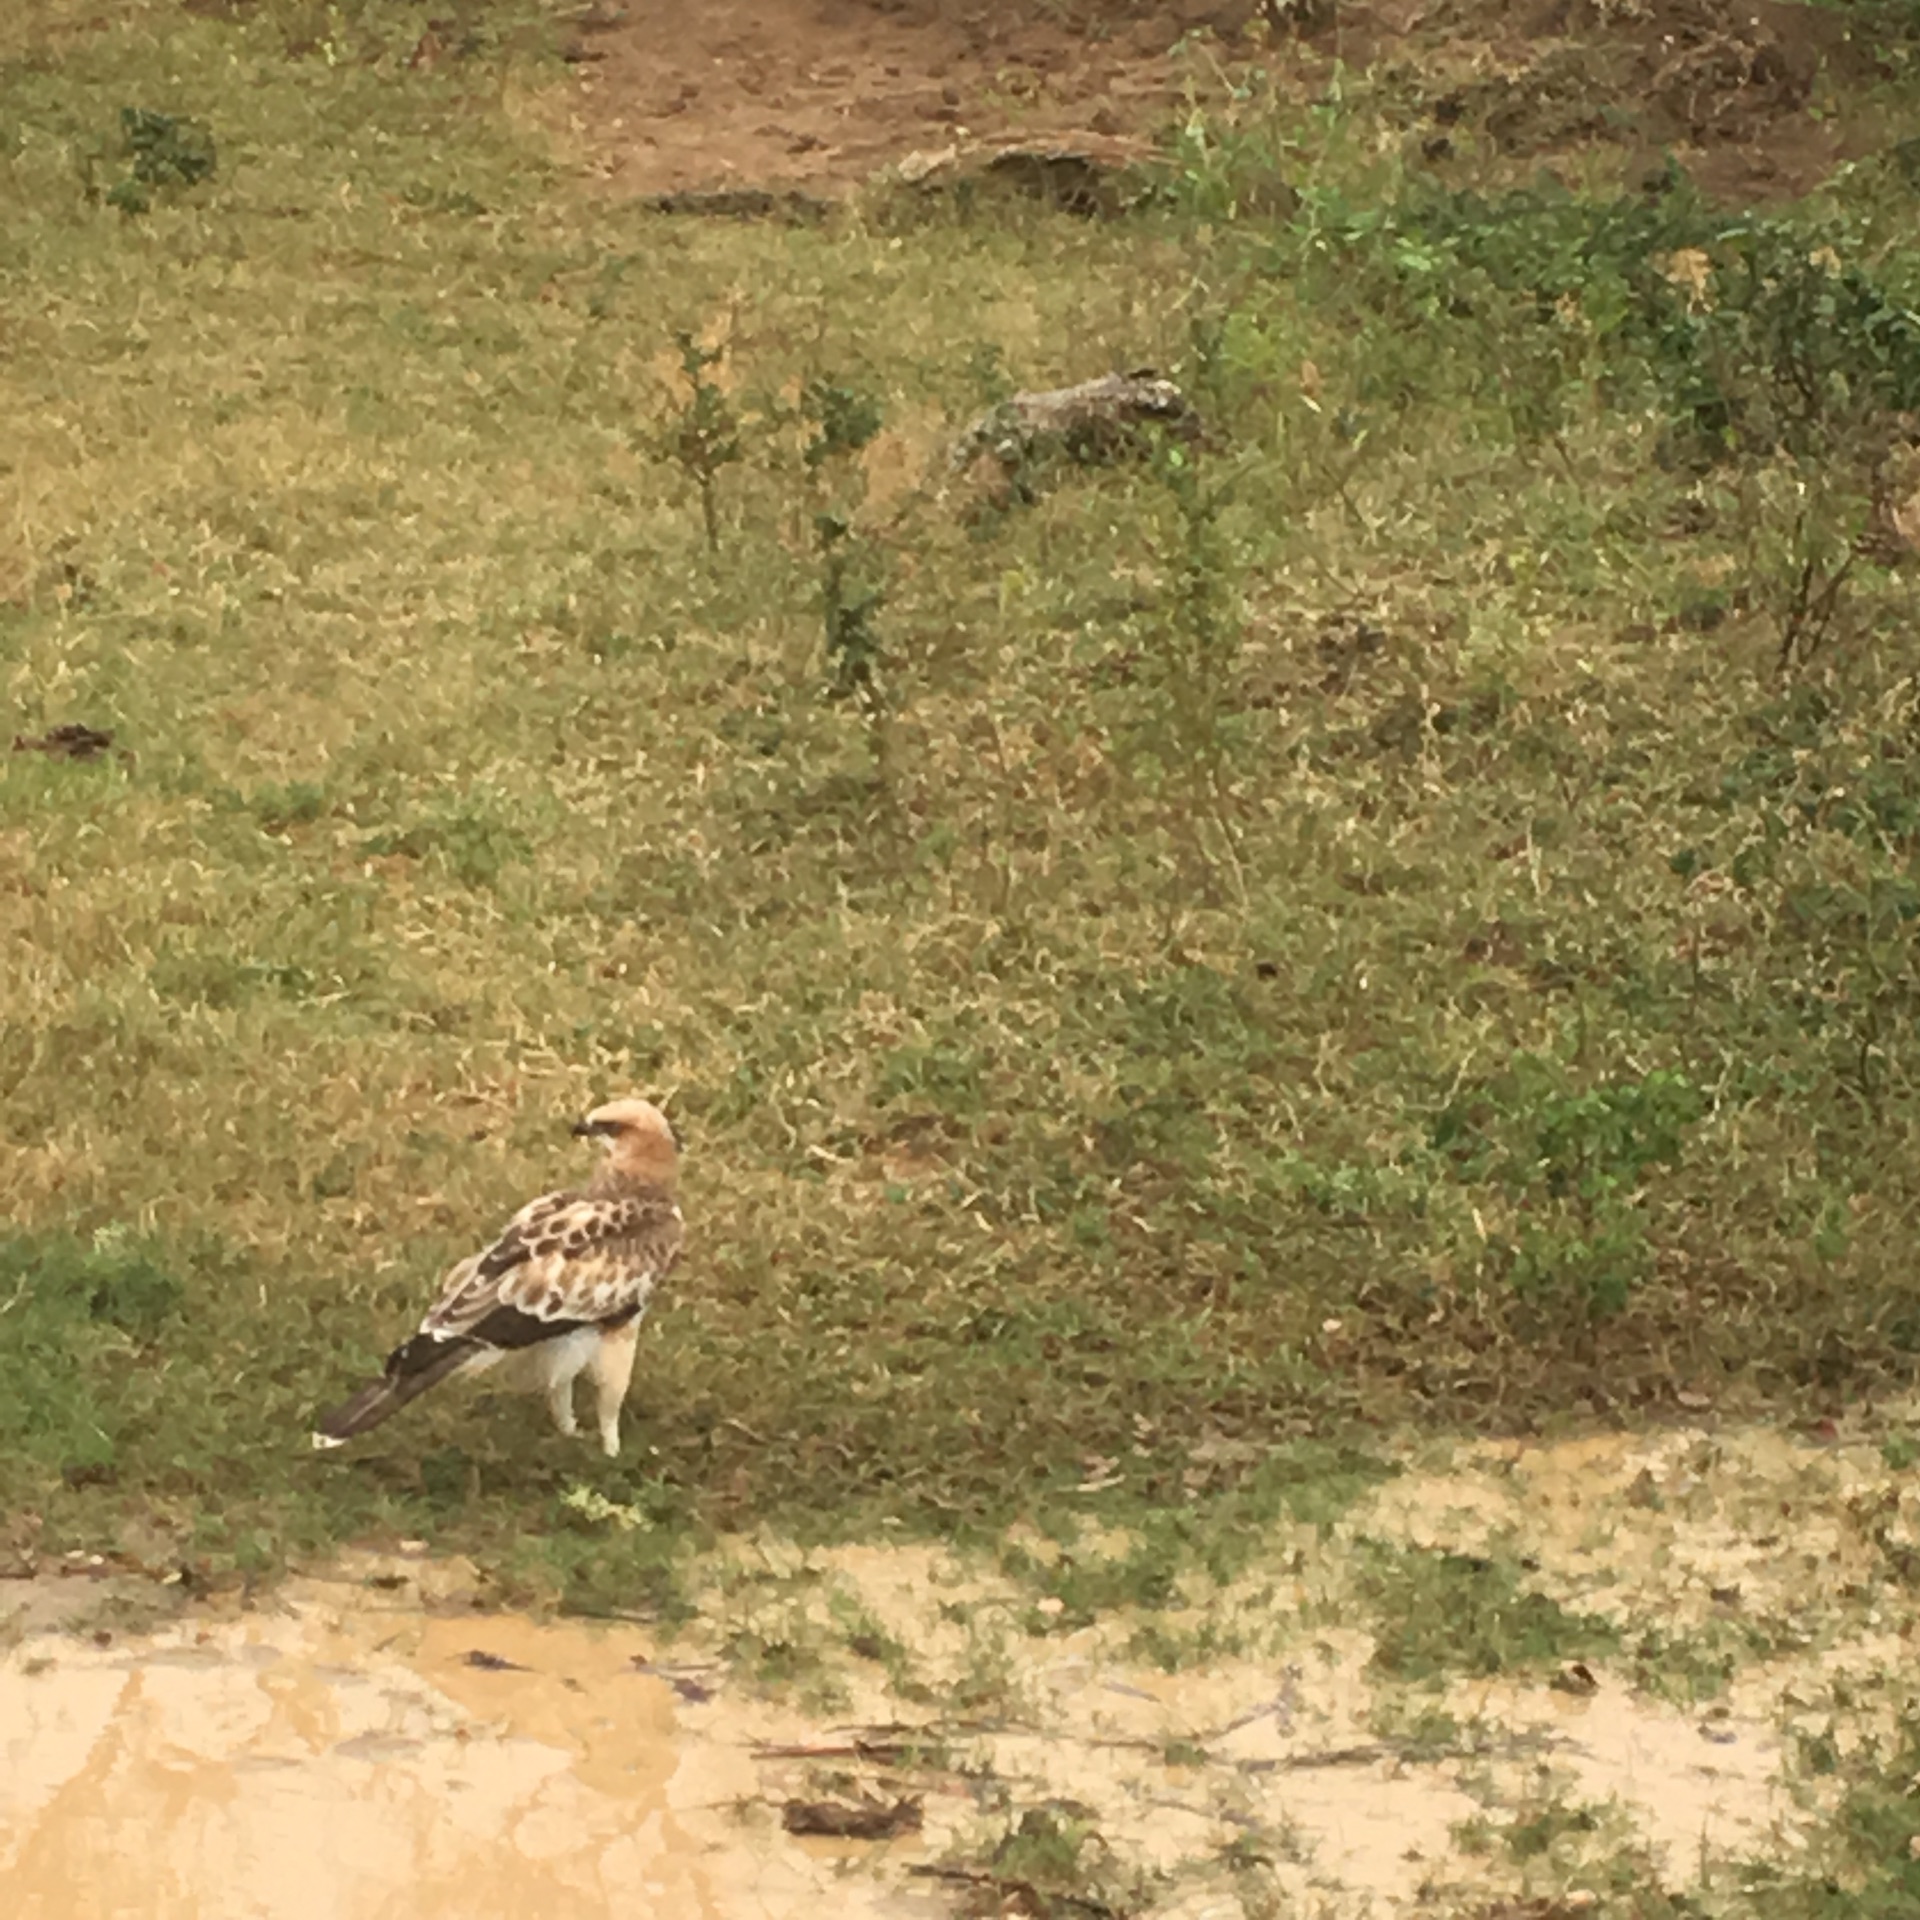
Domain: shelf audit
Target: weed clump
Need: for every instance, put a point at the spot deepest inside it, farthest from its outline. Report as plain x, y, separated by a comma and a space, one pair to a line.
1573, 1161
1747, 332
161, 150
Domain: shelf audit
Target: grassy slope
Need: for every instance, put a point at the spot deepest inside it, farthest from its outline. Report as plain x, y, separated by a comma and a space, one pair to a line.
1119, 1056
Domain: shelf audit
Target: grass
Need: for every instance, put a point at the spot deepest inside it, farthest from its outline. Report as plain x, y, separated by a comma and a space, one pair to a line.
1444, 1613
1377, 927
1872, 1863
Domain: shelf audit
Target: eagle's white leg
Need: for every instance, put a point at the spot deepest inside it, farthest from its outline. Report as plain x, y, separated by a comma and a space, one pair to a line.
612, 1371
552, 1367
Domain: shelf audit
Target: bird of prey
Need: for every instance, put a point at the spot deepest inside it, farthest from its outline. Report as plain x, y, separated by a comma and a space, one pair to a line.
560, 1293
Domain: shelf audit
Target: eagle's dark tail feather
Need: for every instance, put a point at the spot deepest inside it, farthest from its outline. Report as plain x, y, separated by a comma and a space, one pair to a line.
422, 1363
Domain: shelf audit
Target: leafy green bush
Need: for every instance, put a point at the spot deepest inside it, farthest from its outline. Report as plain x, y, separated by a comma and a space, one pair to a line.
1747, 331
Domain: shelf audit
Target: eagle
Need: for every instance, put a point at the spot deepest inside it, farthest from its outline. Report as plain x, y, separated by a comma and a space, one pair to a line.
560, 1293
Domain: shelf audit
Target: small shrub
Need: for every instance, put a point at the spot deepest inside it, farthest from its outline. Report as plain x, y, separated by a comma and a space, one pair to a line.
845, 420
1749, 332
1046, 1851
1527, 1130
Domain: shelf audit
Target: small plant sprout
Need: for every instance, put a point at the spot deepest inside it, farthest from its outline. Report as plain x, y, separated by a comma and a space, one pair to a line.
844, 421
705, 437
1201, 635
848, 604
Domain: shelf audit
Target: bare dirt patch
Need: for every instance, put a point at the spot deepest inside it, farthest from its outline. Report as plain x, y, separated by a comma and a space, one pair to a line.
819, 95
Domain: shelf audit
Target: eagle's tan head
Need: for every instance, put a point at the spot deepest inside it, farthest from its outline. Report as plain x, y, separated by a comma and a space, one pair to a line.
639, 1139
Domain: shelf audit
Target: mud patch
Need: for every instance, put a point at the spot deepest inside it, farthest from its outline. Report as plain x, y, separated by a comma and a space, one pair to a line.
342, 1750
376, 1735
82, 1594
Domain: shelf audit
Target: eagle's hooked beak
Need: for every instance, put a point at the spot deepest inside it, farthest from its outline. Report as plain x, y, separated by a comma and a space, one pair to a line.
591, 1129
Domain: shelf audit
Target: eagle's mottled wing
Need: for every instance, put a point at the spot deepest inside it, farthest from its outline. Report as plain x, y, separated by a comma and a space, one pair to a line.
566, 1260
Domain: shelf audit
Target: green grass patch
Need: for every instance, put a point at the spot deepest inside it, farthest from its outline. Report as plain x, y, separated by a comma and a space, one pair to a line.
83, 1322
1866, 1858
1440, 1614
1214, 1531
